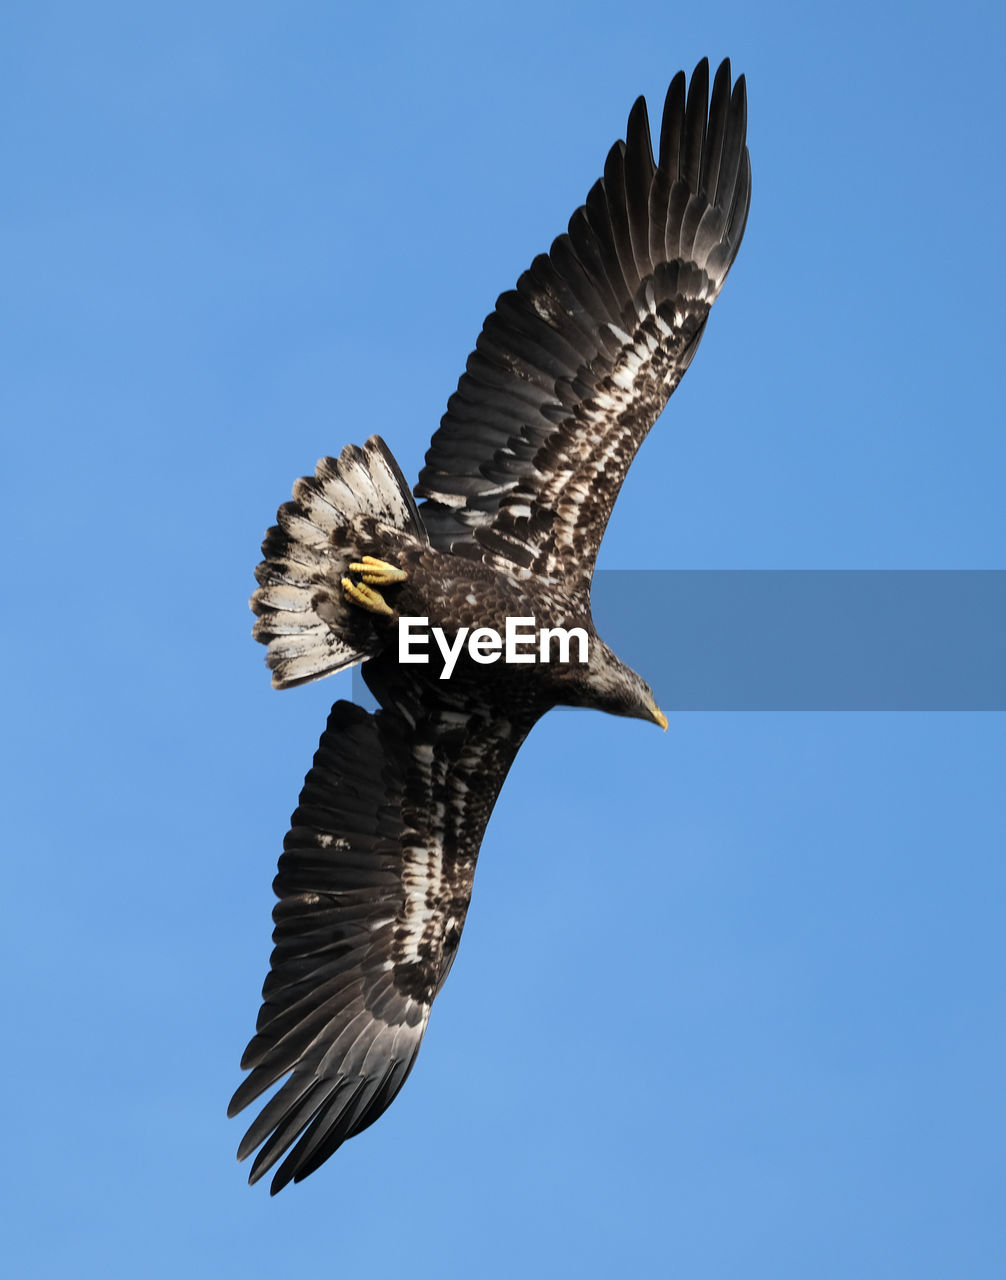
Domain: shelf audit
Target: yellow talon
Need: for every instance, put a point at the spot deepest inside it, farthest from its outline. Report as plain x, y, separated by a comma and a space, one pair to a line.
366, 597
377, 572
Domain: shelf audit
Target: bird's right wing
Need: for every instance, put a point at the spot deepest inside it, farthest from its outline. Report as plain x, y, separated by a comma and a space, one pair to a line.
374, 884
572, 368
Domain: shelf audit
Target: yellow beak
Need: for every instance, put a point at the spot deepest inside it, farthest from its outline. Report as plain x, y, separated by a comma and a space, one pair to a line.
658, 715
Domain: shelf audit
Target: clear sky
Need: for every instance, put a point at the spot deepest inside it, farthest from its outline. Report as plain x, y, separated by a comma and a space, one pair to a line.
730, 1000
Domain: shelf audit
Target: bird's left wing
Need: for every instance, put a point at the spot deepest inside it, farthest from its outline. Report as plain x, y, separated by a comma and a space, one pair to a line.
574, 365
374, 884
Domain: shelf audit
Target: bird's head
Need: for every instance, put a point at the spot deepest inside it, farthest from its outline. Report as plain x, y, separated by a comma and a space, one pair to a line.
607, 684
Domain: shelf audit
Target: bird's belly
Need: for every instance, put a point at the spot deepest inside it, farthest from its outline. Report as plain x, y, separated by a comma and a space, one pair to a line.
464, 621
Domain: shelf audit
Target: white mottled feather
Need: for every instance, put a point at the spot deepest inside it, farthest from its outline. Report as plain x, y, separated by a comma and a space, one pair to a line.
305, 567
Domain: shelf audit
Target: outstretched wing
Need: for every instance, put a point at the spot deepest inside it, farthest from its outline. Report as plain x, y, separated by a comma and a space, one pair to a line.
572, 368
373, 886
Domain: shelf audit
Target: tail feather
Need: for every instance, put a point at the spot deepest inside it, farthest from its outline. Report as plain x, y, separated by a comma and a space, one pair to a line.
309, 629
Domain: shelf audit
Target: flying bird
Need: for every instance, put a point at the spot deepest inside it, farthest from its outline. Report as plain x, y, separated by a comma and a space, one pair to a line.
568, 375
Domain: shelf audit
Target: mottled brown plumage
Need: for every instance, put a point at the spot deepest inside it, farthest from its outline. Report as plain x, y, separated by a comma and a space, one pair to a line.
569, 373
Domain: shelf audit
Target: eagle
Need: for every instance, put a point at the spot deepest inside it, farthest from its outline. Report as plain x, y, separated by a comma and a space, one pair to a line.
569, 373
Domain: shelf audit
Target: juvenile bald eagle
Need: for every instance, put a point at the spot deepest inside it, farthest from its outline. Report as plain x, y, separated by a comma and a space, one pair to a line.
568, 375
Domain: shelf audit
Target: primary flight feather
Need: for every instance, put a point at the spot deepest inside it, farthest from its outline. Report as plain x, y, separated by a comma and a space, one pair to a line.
568, 375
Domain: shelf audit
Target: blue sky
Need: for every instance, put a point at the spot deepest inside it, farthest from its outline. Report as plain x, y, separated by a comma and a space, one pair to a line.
730, 999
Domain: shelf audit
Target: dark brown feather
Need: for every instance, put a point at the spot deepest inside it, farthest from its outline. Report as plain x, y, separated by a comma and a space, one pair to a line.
573, 367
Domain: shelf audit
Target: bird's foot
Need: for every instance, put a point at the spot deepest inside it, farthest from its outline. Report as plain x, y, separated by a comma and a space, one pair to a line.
366, 597
375, 573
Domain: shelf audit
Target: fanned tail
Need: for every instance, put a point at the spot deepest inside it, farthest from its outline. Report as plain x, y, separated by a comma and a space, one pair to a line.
309, 628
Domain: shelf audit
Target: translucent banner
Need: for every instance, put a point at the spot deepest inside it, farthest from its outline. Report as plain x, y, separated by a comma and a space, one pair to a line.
807, 640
